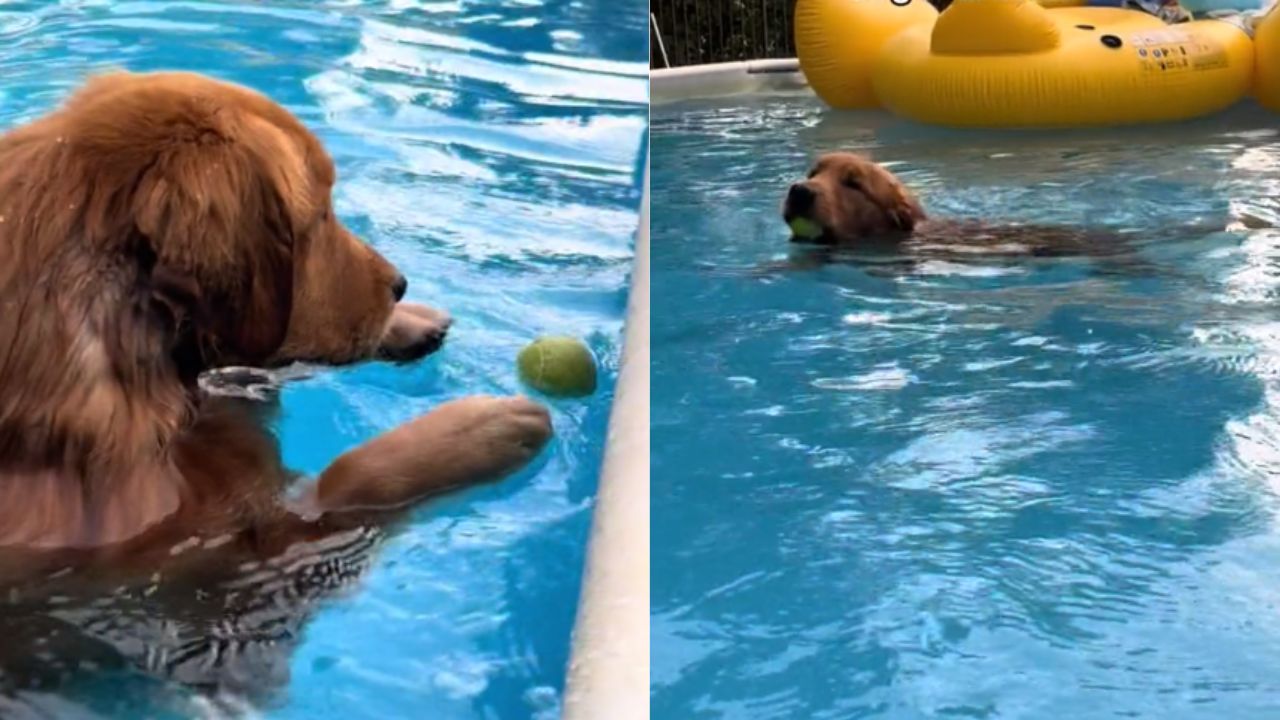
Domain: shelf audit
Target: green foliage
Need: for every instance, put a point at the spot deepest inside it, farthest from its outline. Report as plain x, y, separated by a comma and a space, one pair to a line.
708, 31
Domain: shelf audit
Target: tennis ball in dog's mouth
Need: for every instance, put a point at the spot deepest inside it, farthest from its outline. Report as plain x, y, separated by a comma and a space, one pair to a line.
805, 228
558, 366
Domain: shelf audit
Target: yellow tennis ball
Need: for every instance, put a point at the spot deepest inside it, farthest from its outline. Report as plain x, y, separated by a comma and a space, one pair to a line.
805, 228
558, 365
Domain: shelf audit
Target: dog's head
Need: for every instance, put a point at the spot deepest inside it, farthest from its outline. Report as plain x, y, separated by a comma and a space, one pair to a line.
219, 202
847, 198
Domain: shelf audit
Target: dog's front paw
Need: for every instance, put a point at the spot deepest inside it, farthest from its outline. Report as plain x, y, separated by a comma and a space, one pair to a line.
461, 443
414, 331
502, 432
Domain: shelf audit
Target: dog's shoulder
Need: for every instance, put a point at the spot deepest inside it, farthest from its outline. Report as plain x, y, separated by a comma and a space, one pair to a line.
979, 236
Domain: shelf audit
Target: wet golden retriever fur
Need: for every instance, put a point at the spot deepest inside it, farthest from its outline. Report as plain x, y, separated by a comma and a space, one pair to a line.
861, 207
852, 198
153, 228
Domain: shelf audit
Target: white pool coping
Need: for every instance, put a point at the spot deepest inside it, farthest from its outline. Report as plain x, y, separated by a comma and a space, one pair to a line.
608, 677
724, 79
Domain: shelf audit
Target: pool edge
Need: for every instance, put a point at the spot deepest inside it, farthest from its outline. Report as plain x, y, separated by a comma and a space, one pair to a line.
608, 674
724, 79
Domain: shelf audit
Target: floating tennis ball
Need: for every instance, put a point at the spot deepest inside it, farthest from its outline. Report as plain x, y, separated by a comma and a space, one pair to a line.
562, 366
805, 228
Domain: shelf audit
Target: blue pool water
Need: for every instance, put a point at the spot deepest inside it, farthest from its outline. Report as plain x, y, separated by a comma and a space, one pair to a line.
961, 486
490, 149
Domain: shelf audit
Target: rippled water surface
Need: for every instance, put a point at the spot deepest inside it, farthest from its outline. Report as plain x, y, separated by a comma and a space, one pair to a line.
490, 150
961, 487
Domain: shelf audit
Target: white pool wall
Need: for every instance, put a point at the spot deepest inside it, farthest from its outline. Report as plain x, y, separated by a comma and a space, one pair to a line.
724, 79
608, 676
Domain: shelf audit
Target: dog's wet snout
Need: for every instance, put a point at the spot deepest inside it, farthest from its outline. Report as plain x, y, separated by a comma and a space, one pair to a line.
800, 198
399, 287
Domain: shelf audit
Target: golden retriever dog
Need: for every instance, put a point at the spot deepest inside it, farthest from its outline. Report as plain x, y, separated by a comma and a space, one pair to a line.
850, 199
849, 202
153, 228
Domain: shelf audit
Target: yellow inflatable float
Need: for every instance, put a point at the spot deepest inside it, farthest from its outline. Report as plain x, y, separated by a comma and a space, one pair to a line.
1019, 63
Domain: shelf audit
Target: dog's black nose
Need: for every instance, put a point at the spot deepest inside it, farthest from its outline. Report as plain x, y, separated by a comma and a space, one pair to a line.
399, 287
800, 197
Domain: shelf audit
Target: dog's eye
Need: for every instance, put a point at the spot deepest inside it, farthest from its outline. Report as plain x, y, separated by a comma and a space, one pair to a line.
812, 173
852, 183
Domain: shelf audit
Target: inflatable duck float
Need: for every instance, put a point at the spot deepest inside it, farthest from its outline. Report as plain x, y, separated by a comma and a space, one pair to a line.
1021, 63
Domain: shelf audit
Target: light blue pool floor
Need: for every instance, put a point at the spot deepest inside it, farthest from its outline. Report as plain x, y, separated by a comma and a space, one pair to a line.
1037, 489
490, 151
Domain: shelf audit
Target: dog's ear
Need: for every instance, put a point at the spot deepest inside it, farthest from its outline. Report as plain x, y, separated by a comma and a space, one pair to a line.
213, 208
902, 208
